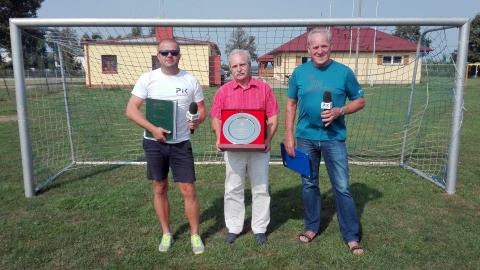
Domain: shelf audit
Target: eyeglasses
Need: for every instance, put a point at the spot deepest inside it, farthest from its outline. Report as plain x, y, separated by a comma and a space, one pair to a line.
166, 52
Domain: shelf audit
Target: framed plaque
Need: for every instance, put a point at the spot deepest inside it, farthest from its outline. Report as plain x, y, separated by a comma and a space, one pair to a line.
243, 130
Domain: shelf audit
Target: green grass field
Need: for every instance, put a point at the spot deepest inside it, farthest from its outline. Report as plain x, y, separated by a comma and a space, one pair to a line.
103, 218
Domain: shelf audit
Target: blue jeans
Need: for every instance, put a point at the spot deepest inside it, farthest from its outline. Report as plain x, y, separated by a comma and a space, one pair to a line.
336, 161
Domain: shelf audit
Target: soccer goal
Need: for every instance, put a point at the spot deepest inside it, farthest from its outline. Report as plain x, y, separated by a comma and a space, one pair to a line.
72, 113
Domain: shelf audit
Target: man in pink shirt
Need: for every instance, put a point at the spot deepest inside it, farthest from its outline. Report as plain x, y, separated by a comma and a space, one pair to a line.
245, 92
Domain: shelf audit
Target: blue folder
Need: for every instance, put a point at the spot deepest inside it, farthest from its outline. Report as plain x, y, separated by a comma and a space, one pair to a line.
300, 163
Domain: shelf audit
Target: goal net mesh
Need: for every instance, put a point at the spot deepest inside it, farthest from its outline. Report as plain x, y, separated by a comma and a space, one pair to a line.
78, 117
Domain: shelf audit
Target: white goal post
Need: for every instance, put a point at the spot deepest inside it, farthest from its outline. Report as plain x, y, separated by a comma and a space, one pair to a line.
73, 114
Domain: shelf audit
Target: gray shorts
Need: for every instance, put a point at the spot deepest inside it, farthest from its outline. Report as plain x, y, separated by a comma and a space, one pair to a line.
163, 156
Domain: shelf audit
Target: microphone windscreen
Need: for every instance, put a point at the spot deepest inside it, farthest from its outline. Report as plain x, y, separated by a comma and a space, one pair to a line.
327, 97
193, 108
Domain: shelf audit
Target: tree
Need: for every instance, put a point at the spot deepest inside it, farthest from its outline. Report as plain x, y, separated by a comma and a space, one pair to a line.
34, 51
16, 9
68, 39
152, 30
474, 40
473, 55
86, 36
66, 36
97, 36
34, 47
136, 31
240, 39
410, 33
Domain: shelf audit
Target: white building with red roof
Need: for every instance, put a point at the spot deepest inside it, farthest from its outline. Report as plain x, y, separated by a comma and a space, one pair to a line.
381, 58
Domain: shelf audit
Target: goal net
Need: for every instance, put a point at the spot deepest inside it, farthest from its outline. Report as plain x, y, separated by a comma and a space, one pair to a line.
76, 76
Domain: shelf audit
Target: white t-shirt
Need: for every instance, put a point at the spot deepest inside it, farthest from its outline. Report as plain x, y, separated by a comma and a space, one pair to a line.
183, 87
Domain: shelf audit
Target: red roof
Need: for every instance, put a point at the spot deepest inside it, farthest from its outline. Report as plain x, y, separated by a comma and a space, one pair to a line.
152, 39
344, 39
265, 58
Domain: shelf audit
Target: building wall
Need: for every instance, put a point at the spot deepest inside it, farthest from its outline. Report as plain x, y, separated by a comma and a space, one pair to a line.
134, 60
369, 69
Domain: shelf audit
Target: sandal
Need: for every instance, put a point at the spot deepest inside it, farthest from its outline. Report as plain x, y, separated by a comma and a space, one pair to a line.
309, 239
355, 248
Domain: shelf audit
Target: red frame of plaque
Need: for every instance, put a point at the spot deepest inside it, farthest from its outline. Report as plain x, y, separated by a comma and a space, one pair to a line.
257, 144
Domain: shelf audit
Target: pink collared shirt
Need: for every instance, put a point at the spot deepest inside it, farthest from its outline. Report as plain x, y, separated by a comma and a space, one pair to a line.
257, 95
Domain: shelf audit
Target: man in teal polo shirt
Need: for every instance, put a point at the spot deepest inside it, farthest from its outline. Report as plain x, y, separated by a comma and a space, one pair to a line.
322, 133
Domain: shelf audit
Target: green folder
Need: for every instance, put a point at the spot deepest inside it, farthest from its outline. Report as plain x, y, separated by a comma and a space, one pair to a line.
162, 113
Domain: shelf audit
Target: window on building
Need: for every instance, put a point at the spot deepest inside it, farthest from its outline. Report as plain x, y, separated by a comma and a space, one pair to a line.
392, 60
279, 61
109, 64
301, 60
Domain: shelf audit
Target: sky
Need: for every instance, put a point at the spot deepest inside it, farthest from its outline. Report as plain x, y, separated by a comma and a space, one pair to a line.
252, 9
259, 9
262, 9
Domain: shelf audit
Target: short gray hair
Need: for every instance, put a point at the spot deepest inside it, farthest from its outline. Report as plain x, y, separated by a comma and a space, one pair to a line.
240, 51
325, 31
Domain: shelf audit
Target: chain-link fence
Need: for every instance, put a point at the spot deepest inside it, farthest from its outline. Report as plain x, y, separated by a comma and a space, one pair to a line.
36, 77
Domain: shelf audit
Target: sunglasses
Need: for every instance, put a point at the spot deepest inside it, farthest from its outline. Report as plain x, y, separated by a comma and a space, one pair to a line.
166, 52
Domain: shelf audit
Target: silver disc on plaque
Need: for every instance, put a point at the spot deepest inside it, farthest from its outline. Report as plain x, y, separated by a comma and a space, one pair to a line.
241, 128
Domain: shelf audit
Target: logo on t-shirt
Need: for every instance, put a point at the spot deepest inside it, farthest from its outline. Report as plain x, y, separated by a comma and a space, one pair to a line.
181, 92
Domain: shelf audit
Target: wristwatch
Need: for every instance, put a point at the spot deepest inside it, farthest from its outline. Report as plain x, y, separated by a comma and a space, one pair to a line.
342, 112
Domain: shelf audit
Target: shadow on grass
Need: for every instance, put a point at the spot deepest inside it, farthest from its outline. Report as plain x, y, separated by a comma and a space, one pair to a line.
287, 204
74, 175
215, 212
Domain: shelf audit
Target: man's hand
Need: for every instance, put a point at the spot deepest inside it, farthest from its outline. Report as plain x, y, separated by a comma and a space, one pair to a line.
159, 134
217, 143
328, 116
268, 146
289, 121
290, 145
216, 128
193, 124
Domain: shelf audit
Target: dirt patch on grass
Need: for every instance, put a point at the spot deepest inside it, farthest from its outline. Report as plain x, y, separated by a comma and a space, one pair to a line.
7, 118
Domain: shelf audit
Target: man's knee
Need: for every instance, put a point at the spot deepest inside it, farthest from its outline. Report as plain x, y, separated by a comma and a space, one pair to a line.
188, 190
160, 187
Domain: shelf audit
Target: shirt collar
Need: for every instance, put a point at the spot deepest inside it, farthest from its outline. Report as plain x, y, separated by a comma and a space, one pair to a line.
250, 84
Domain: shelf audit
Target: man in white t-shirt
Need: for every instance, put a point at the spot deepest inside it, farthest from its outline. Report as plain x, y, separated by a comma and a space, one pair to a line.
169, 82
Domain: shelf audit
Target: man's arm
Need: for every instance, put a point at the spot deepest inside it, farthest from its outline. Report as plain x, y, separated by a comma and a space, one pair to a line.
289, 121
133, 113
272, 125
216, 126
353, 106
